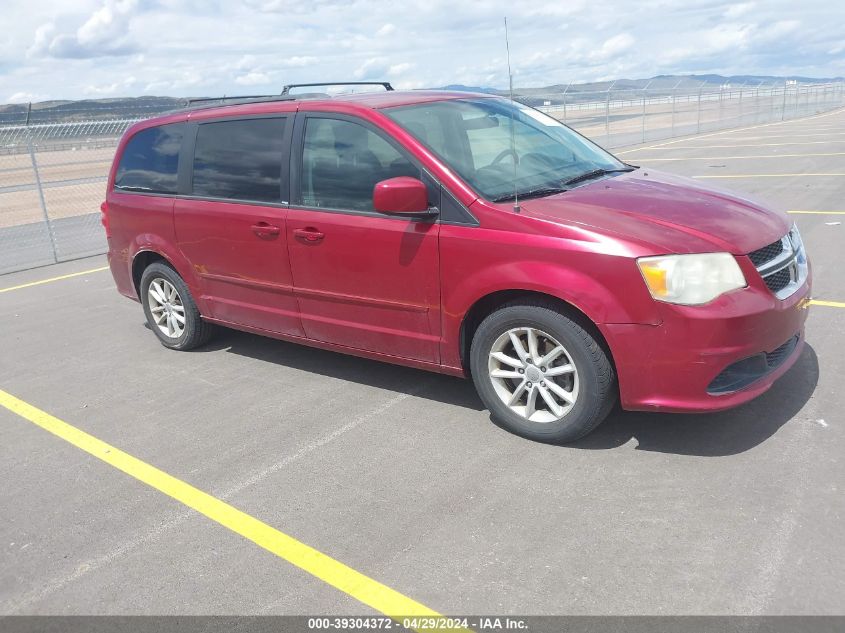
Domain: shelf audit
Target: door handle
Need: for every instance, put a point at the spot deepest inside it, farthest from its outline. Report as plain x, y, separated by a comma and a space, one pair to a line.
309, 234
263, 229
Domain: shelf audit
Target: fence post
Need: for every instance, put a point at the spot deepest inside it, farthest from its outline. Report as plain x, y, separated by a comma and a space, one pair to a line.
783, 108
674, 99
772, 116
645, 92
721, 94
741, 111
698, 113
38, 186
643, 117
564, 101
673, 112
607, 114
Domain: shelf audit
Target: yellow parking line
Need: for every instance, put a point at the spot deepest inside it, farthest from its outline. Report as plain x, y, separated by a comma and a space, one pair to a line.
739, 145
765, 175
52, 279
818, 212
829, 304
772, 136
353, 583
737, 157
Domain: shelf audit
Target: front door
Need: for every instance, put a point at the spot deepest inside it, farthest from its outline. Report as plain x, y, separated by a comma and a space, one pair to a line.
363, 279
231, 226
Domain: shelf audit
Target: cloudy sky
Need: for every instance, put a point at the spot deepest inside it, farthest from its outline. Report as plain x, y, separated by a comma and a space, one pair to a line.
105, 48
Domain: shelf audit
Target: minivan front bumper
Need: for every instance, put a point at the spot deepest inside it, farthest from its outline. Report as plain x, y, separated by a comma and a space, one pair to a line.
712, 357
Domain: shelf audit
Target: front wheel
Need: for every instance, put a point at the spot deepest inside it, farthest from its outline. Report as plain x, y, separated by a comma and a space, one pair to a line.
541, 374
170, 310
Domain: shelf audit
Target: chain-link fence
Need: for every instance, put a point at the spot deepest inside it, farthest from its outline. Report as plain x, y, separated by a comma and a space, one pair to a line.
54, 162
622, 116
53, 173
52, 181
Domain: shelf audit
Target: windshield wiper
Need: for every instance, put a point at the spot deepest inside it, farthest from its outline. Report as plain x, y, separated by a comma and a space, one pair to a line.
595, 173
531, 193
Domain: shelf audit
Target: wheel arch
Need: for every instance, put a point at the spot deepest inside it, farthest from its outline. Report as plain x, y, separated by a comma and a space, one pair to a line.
149, 254
141, 261
489, 303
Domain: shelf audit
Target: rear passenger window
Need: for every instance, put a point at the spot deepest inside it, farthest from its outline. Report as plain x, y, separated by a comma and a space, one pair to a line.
150, 160
239, 160
343, 161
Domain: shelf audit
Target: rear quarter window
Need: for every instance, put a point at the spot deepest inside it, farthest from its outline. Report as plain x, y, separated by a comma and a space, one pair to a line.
239, 159
150, 160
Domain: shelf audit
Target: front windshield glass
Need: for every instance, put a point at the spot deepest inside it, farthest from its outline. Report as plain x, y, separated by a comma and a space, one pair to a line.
497, 145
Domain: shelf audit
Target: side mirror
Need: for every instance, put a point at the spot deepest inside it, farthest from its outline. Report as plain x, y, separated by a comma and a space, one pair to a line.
401, 196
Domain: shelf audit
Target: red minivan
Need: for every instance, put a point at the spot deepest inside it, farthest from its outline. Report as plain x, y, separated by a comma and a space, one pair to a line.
460, 233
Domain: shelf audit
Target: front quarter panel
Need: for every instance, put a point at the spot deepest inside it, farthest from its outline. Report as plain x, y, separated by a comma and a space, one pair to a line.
596, 275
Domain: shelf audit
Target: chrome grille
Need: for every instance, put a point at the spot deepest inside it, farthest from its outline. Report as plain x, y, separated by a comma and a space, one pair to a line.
767, 253
779, 280
782, 264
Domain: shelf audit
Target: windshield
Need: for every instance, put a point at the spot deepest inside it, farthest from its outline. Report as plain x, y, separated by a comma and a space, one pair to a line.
498, 146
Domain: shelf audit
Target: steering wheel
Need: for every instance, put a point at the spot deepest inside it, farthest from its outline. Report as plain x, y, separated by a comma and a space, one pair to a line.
544, 159
503, 154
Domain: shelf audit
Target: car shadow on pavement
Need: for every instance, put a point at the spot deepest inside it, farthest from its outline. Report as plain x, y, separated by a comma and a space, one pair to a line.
397, 378
710, 435
713, 434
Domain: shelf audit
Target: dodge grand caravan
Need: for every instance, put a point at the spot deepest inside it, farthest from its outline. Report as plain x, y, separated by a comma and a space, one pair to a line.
460, 233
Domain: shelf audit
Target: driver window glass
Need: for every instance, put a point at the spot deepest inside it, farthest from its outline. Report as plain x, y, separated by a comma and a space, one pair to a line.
342, 162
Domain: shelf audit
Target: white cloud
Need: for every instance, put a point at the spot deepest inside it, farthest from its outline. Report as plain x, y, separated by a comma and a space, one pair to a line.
103, 33
399, 69
253, 79
299, 62
196, 48
117, 87
23, 97
613, 47
372, 68
737, 10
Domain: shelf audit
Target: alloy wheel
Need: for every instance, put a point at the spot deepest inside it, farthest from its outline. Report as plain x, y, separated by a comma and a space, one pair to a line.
166, 307
533, 374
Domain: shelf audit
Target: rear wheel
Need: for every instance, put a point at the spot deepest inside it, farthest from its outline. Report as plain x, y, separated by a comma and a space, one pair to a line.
170, 310
541, 374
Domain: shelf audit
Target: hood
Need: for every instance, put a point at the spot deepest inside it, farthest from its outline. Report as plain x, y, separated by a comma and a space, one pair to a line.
671, 213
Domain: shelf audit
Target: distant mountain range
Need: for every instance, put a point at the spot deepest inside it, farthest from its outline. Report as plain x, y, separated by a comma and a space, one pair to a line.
138, 107
660, 82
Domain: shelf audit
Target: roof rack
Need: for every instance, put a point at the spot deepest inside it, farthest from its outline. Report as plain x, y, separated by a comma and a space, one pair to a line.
205, 103
200, 103
241, 99
385, 84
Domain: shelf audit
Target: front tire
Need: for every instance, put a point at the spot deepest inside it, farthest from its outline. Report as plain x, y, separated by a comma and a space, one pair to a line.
170, 310
541, 374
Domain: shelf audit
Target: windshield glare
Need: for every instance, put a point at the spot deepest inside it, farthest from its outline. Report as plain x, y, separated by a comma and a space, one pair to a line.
473, 136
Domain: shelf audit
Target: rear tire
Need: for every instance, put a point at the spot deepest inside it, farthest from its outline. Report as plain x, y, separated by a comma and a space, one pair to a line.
541, 374
171, 312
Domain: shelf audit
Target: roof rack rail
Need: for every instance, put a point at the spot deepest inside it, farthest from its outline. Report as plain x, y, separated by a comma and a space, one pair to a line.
191, 100
385, 84
205, 103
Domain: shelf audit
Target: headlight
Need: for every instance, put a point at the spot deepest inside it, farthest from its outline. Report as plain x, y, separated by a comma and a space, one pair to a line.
691, 279
798, 246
